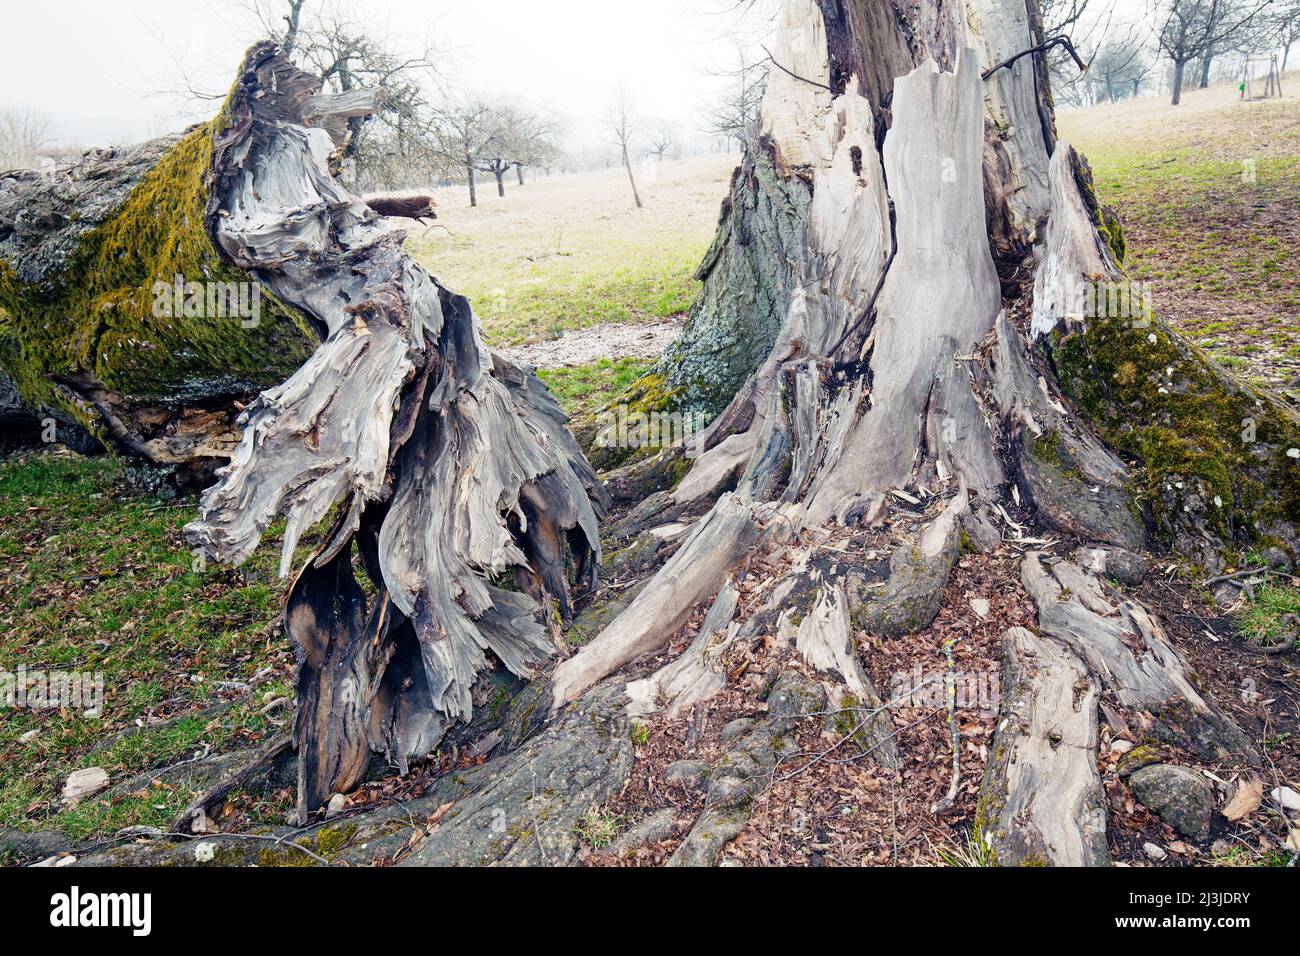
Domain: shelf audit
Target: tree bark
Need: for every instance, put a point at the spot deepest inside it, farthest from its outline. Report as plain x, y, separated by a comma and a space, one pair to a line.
396, 404
1179, 67
627, 164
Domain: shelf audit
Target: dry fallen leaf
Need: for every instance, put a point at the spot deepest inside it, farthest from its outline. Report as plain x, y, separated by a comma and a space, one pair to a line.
1249, 795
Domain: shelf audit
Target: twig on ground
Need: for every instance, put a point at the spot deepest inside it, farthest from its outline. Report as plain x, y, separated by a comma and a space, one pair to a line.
944, 805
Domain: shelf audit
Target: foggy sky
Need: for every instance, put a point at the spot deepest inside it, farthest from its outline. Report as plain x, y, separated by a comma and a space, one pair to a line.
118, 70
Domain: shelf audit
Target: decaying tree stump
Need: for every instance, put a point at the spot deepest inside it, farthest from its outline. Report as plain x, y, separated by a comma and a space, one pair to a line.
937, 347
446, 467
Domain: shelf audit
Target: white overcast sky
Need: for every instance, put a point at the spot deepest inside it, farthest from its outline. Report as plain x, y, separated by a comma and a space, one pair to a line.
114, 70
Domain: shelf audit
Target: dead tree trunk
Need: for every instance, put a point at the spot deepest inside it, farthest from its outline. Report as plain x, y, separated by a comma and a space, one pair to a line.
444, 467
120, 318
942, 343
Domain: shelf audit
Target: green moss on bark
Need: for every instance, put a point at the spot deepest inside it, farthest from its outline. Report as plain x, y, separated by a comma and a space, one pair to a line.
1209, 446
95, 319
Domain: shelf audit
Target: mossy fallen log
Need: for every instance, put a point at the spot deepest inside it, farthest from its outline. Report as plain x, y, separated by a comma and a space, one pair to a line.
118, 313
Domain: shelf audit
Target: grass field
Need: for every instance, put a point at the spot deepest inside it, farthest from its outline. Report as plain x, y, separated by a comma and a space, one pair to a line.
95, 578
1209, 196
574, 251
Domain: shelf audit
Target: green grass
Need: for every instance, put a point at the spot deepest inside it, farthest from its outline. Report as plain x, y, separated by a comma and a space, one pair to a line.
976, 851
586, 388
1271, 618
568, 252
96, 579
1217, 246
543, 302
598, 827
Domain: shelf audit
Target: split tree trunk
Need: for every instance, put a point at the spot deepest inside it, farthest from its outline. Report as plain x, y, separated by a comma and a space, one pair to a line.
445, 467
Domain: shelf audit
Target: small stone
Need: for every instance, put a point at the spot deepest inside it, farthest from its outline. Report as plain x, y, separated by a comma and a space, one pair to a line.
1121, 746
84, 783
29, 736
1276, 558
1143, 755
338, 803
980, 606
690, 774
1225, 595
205, 852
1286, 797
1154, 852
736, 728
1180, 797
203, 826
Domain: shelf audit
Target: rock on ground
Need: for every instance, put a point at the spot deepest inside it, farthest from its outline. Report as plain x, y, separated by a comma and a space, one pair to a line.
1179, 796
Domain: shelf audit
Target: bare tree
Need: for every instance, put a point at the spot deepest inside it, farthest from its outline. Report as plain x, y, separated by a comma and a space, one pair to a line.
622, 124
462, 133
735, 114
1287, 18
660, 137
527, 137
348, 55
1188, 30
24, 135
1118, 69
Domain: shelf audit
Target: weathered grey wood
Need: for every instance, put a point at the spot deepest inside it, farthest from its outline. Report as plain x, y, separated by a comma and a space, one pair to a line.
444, 462
1127, 649
1041, 801
1073, 481
1073, 254
697, 674
695, 572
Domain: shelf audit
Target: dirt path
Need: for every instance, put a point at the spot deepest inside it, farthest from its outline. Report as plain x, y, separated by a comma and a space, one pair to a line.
615, 340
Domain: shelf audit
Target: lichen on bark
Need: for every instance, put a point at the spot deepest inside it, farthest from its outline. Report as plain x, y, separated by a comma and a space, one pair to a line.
748, 277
